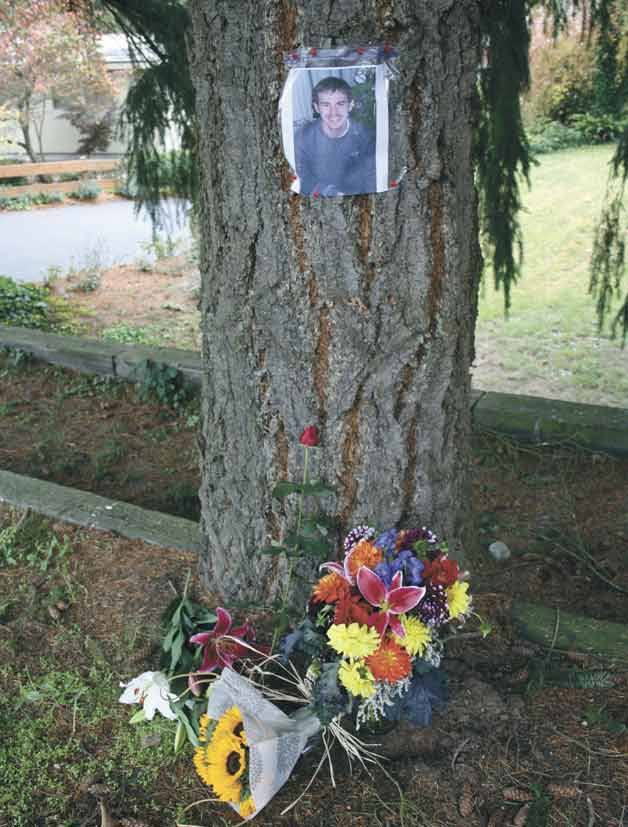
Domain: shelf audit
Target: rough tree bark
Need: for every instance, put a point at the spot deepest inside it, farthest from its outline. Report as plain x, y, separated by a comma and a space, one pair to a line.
356, 314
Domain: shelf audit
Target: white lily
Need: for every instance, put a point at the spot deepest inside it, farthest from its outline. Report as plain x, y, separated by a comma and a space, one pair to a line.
151, 691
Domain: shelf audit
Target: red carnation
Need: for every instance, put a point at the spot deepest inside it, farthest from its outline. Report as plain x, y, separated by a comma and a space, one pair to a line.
441, 572
350, 608
310, 437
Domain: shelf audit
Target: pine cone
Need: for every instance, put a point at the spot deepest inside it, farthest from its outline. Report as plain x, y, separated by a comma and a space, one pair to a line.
467, 800
517, 794
563, 790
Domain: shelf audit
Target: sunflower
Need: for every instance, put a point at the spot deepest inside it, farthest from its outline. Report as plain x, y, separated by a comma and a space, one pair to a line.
247, 807
221, 761
231, 722
389, 662
330, 588
364, 554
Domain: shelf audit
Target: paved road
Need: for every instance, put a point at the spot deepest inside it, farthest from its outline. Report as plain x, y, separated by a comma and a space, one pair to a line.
75, 236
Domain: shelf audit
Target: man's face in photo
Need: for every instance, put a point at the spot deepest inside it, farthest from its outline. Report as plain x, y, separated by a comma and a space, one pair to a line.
333, 107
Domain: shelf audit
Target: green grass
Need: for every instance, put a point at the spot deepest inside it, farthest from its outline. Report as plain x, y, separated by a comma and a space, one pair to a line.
549, 346
130, 334
65, 729
67, 726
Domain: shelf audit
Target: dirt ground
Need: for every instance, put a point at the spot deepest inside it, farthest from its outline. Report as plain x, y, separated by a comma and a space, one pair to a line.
530, 736
517, 744
160, 299
88, 433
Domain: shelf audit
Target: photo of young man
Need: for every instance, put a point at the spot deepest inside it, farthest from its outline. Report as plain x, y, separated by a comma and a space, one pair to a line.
334, 152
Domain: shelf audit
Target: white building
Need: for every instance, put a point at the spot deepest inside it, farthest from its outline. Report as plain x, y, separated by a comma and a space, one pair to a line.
59, 139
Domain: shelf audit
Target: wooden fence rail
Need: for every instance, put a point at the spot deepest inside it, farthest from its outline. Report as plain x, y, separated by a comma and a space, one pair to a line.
56, 168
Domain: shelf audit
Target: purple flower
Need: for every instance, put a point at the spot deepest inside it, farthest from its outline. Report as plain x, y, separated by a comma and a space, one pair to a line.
384, 572
411, 566
360, 532
386, 542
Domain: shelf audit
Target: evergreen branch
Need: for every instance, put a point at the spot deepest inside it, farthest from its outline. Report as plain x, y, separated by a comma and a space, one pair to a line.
502, 149
608, 258
160, 98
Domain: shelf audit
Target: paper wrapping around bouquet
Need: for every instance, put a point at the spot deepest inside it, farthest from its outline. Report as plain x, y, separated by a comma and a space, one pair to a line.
275, 740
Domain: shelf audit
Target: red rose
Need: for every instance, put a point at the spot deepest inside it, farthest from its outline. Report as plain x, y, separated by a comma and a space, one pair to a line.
310, 437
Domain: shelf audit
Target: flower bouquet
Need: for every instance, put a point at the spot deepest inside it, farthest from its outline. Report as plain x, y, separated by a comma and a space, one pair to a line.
366, 652
248, 750
373, 635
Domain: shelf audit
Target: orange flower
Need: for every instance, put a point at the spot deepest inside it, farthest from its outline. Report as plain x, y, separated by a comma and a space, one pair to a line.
389, 662
364, 554
330, 588
352, 609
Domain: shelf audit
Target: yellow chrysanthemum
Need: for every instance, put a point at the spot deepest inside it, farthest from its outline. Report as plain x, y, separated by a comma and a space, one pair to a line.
221, 762
417, 635
231, 722
247, 808
356, 678
354, 640
458, 600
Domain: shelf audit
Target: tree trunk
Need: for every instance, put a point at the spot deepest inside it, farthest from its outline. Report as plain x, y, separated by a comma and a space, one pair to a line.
25, 113
355, 314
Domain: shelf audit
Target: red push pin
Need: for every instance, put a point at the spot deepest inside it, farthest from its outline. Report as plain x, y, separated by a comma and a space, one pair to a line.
315, 194
393, 183
313, 52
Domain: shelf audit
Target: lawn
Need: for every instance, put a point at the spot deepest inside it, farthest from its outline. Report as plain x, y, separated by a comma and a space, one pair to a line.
549, 345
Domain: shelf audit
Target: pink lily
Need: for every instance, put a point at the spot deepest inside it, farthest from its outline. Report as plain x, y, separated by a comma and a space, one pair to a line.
221, 647
390, 602
341, 569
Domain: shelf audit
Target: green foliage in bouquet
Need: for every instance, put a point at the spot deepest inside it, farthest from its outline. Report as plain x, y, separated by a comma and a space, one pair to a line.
182, 619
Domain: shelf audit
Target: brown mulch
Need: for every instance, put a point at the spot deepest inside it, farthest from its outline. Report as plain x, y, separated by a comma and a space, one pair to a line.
513, 746
503, 742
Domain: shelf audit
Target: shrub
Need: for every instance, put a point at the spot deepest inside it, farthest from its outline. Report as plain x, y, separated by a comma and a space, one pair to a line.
24, 305
562, 81
548, 136
49, 198
17, 202
87, 191
28, 200
11, 182
33, 305
598, 129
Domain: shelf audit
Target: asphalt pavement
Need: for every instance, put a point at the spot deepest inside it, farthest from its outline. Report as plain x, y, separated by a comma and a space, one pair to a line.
77, 236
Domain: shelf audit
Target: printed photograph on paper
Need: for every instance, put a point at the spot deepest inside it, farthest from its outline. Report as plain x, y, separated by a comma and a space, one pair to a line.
334, 131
